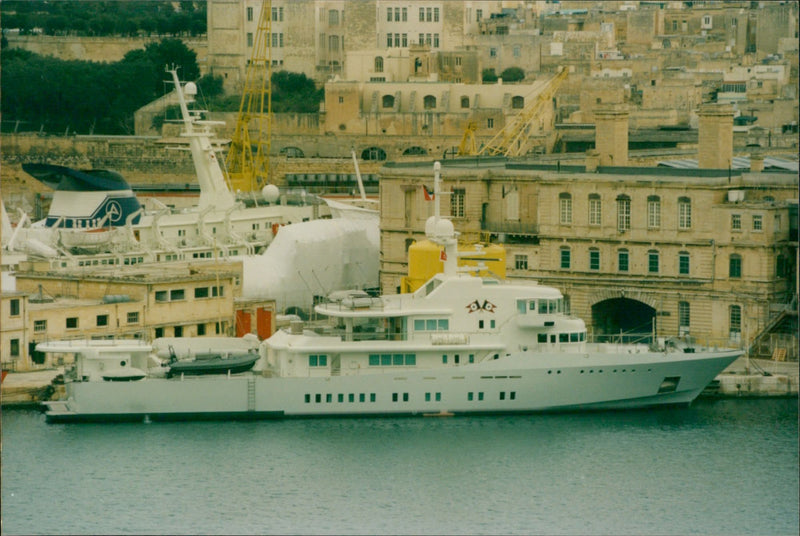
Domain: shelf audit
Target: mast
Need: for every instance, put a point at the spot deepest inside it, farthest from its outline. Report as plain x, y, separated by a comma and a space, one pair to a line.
214, 191
441, 231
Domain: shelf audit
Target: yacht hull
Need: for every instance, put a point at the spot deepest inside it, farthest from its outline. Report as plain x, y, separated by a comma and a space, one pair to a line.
521, 383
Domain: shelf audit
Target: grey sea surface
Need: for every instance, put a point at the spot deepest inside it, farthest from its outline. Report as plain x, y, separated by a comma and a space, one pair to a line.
716, 467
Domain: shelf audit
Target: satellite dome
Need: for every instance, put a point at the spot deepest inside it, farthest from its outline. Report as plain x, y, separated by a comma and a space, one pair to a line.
441, 228
190, 89
270, 193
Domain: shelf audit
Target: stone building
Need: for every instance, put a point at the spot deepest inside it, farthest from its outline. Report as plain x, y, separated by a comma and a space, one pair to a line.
680, 251
144, 302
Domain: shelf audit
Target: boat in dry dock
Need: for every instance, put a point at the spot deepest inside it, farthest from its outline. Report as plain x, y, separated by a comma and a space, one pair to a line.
460, 344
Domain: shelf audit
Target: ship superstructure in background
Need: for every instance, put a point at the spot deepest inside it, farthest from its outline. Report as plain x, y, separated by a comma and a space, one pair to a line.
95, 218
459, 344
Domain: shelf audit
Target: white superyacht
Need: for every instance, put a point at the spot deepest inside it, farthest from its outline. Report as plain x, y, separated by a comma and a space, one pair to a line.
460, 344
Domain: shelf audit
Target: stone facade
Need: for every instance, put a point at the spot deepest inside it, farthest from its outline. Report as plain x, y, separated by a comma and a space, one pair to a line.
631, 250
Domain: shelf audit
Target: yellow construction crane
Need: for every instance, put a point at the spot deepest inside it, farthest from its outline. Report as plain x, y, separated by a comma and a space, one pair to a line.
248, 156
514, 138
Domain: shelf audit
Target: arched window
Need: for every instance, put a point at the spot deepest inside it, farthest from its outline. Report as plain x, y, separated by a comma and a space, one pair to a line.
623, 213
735, 322
517, 102
683, 263
653, 212
684, 213
373, 153
429, 102
565, 258
465, 102
594, 259
378, 64
387, 101
564, 208
415, 151
652, 261
292, 152
595, 210
735, 266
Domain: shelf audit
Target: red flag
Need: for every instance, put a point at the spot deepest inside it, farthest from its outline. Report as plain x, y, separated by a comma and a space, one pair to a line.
443, 256
429, 196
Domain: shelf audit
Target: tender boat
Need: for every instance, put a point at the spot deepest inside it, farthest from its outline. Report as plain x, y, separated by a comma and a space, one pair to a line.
213, 364
460, 344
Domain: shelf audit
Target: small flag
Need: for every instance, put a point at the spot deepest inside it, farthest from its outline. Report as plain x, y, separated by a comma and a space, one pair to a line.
429, 196
443, 256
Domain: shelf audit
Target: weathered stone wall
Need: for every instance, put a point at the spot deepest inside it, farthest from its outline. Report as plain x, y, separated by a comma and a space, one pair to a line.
101, 49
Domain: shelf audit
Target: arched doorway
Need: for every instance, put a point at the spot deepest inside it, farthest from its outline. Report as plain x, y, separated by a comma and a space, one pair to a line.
632, 318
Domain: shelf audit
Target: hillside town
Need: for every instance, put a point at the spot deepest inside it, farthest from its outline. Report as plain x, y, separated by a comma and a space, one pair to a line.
639, 156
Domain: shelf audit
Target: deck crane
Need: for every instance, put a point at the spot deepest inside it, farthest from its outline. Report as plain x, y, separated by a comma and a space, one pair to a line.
513, 139
248, 157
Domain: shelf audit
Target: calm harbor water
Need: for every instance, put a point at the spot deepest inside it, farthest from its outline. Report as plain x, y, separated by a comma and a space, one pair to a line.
717, 467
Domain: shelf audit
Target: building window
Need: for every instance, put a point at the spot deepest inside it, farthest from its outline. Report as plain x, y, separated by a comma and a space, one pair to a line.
517, 102
623, 213
72, 322
133, 317
14, 307
457, 202
429, 102
736, 222
200, 292
436, 14
249, 14
490, 123
177, 294
102, 321
389, 40
14, 347
521, 262
379, 64
622, 260
388, 101
178, 330
465, 102
683, 317
39, 326
388, 14
683, 263
564, 208
405, 14
594, 259
758, 222
404, 40
422, 14
653, 212
565, 258
201, 330
781, 266
517, 52
159, 333
684, 213
595, 210
162, 296
333, 17
250, 39
493, 52
652, 261
735, 266
436, 40
735, 319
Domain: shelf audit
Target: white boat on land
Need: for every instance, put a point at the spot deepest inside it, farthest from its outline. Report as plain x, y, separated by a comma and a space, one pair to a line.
460, 344
96, 219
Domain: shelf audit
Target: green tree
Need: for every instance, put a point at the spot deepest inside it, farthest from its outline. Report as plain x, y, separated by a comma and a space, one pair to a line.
512, 74
489, 76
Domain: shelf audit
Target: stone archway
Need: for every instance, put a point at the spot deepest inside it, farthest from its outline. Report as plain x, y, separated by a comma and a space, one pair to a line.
631, 318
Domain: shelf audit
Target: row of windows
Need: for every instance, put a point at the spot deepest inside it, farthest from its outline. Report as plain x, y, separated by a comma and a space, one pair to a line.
399, 14
179, 294
341, 398
221, 328
429, 101
392, 360
578, 336
653, 261
431, 324
595, 214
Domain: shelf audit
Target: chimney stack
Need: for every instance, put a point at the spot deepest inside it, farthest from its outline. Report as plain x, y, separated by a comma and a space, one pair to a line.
611, 134
715, 136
